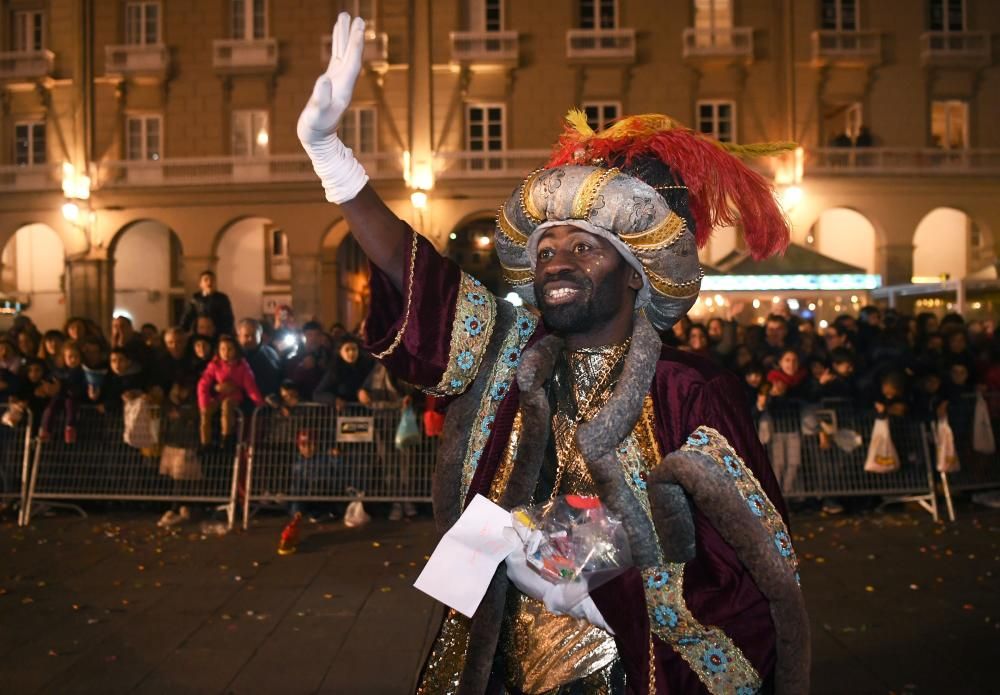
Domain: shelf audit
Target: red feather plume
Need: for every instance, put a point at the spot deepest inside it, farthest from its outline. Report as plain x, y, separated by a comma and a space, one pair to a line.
722, 190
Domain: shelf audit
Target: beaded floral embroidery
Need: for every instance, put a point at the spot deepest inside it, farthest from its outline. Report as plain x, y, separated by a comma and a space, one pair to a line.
709, 442
501, 378
475, 314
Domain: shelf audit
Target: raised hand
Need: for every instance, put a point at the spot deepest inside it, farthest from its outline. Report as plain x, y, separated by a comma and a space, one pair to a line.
332, 92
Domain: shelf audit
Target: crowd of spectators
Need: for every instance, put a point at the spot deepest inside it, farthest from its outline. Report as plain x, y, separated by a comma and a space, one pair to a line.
883, 361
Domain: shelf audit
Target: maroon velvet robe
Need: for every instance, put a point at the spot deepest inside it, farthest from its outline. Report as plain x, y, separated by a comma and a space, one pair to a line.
688, 391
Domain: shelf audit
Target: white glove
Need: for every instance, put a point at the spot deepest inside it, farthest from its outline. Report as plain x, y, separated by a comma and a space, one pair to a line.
341, 174
561, 599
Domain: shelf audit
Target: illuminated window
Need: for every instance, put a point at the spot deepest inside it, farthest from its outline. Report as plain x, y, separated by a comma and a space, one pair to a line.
950, 124
713, 22
718, 119
250, 136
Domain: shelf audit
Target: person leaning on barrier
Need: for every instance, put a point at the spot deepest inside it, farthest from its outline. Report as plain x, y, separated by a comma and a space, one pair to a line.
263, 359
345, 376
226, 382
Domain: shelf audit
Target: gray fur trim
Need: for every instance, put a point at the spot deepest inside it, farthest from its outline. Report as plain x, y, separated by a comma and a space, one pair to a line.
446, 486
484, 634
672, 519
598, 438
713, 493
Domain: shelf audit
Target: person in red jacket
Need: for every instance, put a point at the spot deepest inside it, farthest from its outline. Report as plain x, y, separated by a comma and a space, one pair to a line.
226, 381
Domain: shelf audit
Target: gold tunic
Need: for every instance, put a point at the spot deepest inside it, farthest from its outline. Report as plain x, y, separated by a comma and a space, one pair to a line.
544, 650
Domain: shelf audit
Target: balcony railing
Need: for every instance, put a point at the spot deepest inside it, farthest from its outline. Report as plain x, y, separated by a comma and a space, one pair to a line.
200, 171
484, 47
847, 47
865, 161
26, 65
955, 47
376, 52
735, 42
129, 59
601, 44
498, 164
245, 55
35, 177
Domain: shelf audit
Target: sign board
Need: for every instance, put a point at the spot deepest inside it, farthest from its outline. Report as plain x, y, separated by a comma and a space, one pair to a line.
355, 429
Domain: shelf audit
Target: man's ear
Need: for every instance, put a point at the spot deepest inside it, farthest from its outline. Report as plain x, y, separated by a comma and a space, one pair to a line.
635, 280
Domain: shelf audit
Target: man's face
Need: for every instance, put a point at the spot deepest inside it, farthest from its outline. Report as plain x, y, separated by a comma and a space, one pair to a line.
775, 332
207, 283
246, 336
174, 342
581, 281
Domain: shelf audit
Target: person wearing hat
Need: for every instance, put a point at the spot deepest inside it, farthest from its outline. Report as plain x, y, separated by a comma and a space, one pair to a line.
583, 398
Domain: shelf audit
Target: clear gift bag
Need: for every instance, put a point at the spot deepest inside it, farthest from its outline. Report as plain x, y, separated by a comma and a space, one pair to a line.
947, 457
983, 441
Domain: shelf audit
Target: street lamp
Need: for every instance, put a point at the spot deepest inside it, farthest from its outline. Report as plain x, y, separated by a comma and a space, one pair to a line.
77, 210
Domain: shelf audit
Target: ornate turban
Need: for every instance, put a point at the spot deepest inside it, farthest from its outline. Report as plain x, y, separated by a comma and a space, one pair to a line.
652, 188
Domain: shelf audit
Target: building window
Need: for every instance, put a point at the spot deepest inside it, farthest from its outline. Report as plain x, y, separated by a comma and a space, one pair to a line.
250, 134
29, 31
947, 15
142, 23
600, 114
598, 14
358, 130
718, 119
143, 136
950, 124
484, 132
249, 19
29, 143
493, 11
839, 15
713, 16
278, 263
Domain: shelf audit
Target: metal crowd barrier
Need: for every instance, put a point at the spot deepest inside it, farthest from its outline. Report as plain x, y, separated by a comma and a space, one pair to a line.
15, 457
818, 451
314, 454
977, 470
99, 465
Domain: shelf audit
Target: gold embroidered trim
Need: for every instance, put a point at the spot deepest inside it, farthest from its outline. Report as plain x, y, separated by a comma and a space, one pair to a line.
586, 195
668, 288
409, 301
709, 442
497, 388
719, 664
447, 659
508, 229
527, 202
517, 276
502, 476
475, 315
660, 236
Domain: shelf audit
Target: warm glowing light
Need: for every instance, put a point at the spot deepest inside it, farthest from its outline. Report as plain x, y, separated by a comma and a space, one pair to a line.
823, 323
781, 283
775, 299
793, 304
483, 241
419, 199
71, 211
709, 302
453, 236
791, 197
422, 176
812, 306
854, 299
720, 300
263, 138
756, 304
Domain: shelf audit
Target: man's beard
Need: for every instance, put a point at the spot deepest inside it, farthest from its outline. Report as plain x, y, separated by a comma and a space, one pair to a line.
602, 304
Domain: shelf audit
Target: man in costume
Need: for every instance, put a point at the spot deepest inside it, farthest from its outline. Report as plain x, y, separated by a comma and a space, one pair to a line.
586, 400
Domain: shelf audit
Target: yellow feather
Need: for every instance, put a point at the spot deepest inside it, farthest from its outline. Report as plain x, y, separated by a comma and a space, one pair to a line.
758, 149
577, 119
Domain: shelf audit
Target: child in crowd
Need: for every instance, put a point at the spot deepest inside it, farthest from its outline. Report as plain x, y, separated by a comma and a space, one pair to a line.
179, 459
201, 348
756, 389
72, 391
126, 382
838, 382
10, 358
312, 474
32, 394
929, 399
226, 381
52, 352
891, 400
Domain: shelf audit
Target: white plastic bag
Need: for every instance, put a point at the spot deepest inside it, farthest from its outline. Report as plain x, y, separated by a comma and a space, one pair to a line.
764, 428
142, 426
983, 441
882, 456
356, 515
947, 457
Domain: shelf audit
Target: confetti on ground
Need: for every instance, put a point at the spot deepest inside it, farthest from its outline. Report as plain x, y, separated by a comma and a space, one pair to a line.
870, 589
